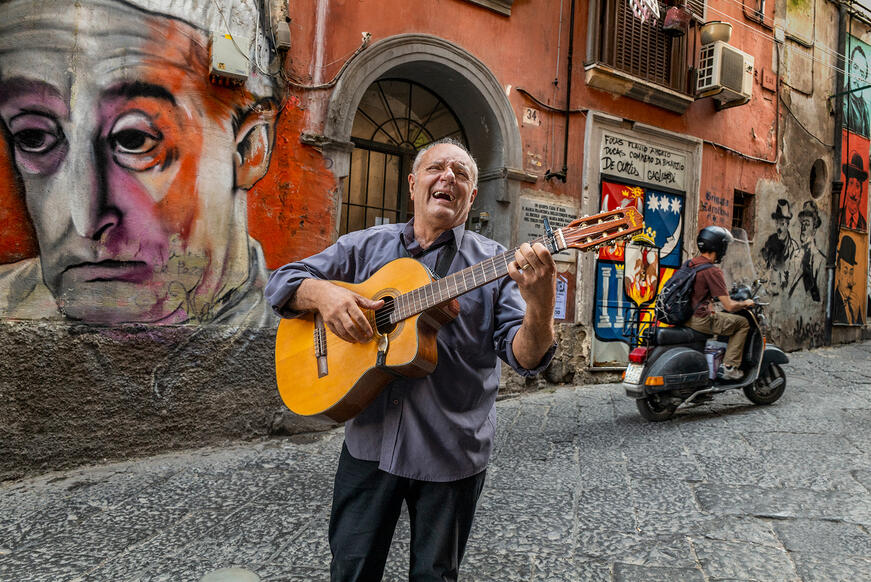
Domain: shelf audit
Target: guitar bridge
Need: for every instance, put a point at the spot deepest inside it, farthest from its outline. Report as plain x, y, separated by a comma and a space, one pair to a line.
320, 344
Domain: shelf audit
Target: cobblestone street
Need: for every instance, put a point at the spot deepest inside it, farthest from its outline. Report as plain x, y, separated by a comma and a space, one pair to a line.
581, 488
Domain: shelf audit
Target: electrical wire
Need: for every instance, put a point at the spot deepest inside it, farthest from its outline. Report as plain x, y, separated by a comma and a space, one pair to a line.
801, 125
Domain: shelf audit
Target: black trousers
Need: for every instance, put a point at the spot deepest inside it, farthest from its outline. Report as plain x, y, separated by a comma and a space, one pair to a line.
366, 506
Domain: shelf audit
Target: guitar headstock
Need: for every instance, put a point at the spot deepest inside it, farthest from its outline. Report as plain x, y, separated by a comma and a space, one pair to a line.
591, 232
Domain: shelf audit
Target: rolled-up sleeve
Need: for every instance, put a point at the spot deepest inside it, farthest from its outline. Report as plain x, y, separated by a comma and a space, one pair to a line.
509, 311
337, 262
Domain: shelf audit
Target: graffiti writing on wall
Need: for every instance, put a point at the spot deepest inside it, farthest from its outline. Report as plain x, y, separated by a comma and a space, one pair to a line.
133, 167
715, 209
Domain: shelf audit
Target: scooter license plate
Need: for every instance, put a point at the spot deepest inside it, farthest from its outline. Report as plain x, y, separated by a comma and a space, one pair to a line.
633, 374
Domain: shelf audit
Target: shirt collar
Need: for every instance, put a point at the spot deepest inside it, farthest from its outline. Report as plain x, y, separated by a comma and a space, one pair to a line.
413, 247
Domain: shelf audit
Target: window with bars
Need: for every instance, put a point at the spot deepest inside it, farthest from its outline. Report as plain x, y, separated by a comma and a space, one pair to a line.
642, 49
743, 212
394, 120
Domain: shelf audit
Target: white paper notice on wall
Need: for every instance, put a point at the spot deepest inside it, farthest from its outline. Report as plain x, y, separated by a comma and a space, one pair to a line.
562, 292
640, 161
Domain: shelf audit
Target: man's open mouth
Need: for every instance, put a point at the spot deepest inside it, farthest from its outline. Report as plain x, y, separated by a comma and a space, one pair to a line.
110, 270
441, 195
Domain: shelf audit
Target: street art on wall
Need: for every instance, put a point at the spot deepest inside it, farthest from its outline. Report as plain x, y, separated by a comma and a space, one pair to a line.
780, 250
853, 208
663, 217
856, 101
849, 298
629, 275
795, 267
133, 167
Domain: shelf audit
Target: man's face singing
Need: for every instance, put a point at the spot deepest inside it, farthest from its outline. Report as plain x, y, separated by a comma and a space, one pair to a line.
443, 186
127, 160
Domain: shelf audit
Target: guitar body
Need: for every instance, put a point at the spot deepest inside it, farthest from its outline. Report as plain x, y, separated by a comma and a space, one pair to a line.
353, 379
319, 374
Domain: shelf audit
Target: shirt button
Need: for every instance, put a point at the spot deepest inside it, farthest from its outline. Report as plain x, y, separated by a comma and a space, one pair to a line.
396, 402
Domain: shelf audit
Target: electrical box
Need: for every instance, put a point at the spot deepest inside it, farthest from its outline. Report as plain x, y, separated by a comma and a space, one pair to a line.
725, 73
282, 36
230, 65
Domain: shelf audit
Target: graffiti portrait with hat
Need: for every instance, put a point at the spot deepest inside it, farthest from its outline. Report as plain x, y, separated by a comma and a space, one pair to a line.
856, 114
854, 200
780, 249
848, 301
809, 270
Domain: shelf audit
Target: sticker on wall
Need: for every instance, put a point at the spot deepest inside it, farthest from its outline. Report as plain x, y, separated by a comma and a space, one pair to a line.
619, 196
856, 101
848, 300
663, 215
611, 306
853, 209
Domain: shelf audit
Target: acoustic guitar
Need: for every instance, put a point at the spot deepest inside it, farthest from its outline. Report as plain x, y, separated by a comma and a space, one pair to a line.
319, 374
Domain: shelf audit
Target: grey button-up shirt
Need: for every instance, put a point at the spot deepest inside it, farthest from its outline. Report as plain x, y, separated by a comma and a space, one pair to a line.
440, 427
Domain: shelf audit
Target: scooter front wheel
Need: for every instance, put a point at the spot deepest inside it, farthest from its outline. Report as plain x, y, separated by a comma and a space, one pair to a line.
768, 387
656, 407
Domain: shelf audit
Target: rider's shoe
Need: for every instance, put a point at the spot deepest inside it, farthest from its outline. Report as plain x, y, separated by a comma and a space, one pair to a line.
729, 373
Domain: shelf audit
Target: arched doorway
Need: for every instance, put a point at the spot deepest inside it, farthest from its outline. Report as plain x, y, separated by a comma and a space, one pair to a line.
395, 118
466, 86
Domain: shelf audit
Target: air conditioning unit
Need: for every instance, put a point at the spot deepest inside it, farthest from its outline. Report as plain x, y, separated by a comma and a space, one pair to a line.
725, 73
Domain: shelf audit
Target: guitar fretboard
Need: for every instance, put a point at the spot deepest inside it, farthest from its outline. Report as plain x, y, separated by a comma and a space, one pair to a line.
456, 284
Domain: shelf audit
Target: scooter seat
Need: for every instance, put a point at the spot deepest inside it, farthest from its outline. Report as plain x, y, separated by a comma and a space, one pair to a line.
667, 336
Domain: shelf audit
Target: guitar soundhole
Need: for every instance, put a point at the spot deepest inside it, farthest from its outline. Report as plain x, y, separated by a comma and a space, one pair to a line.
382, 317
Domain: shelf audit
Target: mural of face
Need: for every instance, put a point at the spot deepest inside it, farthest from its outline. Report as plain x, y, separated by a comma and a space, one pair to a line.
854, 195
808, 229
858, 66
845, 278
134, 167
782, 228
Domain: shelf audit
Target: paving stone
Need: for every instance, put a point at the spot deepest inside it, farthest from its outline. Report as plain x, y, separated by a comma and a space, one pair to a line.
634, 573
581, 488
743, 561
822, 568
831, 538
637, 549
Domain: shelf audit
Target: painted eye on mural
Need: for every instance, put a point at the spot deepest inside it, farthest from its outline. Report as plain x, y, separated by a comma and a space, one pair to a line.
34, 133
133, 140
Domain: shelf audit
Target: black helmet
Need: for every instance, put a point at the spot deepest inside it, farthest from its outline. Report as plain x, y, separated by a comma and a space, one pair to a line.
714, 239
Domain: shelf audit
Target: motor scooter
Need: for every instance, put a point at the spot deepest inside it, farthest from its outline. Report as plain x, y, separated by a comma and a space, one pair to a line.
670, 369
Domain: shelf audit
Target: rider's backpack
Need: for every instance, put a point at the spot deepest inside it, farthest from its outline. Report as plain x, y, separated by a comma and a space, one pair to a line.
674, 303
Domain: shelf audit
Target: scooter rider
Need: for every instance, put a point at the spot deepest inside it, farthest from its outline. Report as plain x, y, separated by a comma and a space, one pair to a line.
710, 284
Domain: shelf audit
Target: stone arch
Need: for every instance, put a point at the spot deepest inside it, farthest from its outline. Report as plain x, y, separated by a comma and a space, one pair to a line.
466, 85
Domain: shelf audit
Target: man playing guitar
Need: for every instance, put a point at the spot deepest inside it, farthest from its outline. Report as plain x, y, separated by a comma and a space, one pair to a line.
424, 441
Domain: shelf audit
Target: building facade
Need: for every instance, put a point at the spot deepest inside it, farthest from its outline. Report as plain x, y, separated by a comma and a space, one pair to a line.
159, 158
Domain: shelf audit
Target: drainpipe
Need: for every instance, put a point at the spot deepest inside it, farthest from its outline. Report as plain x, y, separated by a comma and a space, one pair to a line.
837, 184
561, 175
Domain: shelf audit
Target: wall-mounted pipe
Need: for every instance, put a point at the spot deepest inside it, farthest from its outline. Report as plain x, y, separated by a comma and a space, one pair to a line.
561, 175
837, 185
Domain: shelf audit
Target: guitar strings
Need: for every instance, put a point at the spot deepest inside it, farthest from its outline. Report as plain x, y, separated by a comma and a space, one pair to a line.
382, 317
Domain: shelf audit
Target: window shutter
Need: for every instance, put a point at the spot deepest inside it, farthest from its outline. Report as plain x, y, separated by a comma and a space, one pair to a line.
641, 48
697, 8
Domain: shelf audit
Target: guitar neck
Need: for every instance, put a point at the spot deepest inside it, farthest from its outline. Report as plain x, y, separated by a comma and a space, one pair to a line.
456, 284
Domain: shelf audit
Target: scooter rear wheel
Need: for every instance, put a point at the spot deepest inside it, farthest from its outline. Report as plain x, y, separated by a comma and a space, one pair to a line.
768, 387
655, 408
